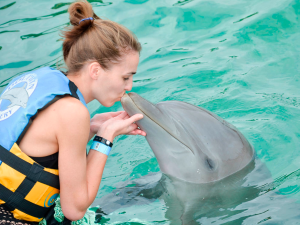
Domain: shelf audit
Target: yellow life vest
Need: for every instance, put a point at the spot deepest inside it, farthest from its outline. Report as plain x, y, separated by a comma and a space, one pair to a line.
21, 176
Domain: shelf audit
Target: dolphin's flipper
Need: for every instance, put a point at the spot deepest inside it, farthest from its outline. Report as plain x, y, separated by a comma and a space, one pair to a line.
11, 105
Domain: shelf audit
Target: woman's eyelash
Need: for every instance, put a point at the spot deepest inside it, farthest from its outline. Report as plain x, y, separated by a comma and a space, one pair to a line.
126, 78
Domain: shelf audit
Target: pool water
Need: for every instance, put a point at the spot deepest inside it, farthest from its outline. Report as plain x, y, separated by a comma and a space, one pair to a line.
236, 58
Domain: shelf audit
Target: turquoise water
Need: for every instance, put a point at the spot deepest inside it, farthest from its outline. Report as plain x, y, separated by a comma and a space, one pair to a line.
237, 58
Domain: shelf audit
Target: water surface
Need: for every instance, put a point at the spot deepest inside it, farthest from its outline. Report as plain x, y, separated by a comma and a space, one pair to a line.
236, 58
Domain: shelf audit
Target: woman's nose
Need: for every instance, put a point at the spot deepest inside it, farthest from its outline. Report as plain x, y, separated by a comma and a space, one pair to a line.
128, 87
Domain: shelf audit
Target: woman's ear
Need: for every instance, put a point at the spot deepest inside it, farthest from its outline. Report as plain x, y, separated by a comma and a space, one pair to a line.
95, 70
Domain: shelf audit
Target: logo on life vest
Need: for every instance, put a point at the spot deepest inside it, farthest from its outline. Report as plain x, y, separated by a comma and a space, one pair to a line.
16, 95
50, 199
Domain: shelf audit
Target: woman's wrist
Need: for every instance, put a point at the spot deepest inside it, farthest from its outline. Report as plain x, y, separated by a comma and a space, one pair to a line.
106, 133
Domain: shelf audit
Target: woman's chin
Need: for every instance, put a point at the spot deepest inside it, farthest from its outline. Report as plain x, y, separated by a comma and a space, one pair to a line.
111, 103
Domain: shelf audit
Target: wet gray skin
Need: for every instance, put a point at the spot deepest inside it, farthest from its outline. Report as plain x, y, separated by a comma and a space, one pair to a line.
209, 170
189, 142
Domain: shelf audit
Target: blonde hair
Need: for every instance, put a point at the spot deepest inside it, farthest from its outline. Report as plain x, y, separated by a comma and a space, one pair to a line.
98, 40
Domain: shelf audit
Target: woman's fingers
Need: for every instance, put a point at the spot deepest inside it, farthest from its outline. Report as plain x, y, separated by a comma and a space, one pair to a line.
137, 132
135, 118
132, 127
143, 133
122, 115
124, 124
126, 117
114, 114
134, 132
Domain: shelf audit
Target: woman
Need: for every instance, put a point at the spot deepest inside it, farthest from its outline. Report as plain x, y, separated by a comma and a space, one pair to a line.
44, 113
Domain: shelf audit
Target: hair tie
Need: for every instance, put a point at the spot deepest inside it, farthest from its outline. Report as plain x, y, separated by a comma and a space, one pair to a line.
89, 18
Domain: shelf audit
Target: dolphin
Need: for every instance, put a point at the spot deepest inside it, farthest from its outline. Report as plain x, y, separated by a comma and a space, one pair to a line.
190, 143
209, 170
17, 96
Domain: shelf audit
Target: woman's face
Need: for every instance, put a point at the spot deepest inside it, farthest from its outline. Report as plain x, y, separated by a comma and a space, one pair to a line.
114, 82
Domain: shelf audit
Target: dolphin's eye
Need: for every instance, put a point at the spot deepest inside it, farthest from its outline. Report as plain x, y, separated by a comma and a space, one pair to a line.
210, 164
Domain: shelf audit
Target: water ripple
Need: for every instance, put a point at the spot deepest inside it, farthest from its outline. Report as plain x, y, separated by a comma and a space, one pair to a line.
7, 6
236, 58
49, 31
246, 17
281, 98
15, 65
94, 3
180, 3
59, 5
8, 31
25, 20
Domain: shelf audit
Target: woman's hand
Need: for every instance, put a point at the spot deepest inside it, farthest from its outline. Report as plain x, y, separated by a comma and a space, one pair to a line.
120, 124
99, 119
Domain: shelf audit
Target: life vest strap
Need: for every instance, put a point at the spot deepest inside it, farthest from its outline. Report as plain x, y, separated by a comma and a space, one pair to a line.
73, 89
34, 172
21, 203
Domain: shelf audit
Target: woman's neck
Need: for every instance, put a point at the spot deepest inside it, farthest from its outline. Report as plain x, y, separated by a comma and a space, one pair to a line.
83, 85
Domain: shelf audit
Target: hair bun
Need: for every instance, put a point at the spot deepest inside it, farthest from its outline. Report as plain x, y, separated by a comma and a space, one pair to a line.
103, 41
81, 10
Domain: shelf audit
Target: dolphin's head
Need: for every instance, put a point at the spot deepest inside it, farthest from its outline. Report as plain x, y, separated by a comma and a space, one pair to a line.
23, 104
190, 143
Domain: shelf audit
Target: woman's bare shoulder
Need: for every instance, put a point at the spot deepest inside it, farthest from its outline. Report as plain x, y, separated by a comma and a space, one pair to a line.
72, 119
70, 109
70, 105
66, 116
67, 113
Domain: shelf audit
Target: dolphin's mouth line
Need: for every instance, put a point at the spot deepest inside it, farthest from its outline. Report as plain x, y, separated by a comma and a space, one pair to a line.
161, 126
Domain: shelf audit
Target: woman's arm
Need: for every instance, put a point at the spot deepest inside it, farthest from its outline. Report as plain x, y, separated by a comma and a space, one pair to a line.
77, 187
80, 175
